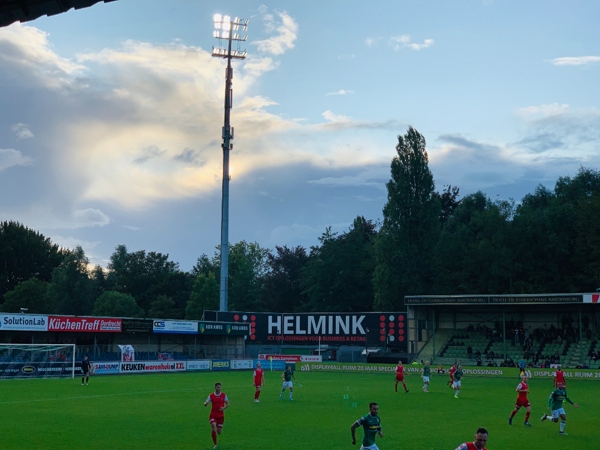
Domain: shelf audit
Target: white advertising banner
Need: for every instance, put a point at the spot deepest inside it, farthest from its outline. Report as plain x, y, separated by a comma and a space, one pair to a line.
242, 364
106, 368
152, 366
22, 322
171, 326
198, 365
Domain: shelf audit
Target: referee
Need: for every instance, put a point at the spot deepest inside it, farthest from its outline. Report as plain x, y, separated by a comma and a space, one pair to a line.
85, 369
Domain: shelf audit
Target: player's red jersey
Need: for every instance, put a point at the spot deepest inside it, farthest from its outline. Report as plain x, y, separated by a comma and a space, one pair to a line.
452, 370
258, 376
522, 395
217, 401
469, 446
559, 376
400, 372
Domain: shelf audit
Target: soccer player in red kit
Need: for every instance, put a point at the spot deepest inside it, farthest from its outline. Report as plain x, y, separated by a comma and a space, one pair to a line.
481, 438
220, 403
523, 390
451, 372
400, 371
259, 381
559, 377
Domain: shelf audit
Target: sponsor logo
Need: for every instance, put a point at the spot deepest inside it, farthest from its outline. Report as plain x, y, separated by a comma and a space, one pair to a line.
198, 365
158, 324
86, 324
28, 369
305, 368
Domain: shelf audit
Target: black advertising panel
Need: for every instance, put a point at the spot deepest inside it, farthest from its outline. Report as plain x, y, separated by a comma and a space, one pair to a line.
492, 299
38, 369
224, 329
136, 326
381, 329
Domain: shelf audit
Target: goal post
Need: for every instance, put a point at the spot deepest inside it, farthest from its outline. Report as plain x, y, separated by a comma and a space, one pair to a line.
37, 360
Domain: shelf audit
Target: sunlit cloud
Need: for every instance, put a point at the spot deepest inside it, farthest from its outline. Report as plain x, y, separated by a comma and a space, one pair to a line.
341, 92
543, 110
22, 131
404, 41
10, 158
575, 60
287, 33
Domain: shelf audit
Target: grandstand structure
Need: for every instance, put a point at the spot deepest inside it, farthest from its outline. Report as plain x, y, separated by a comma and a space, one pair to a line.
27, 10
503, 330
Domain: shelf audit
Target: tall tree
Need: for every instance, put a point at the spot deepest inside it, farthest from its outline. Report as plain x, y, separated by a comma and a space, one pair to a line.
205, 296
24, 254
163, 307
282, 290
247, 268
30, 294
411, 225
116, 304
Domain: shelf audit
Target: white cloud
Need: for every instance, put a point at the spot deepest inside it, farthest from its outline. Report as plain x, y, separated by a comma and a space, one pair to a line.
341, 92
287, 33
404, 41
544, 110
132, 228
22, 131
369, 41
89, 218
10, 158
575, 60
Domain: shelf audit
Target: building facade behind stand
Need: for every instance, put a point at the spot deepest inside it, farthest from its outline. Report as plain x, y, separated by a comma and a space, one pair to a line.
492, 330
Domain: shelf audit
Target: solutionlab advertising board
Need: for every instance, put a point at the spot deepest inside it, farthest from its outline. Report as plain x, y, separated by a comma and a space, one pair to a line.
379, 329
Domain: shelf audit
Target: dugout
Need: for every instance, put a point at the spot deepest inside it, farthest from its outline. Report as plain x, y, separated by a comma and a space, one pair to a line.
433, 317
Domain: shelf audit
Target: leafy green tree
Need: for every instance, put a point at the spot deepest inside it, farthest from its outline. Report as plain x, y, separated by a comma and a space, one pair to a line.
282, 289
116, 304
448, 202
339, 273
204, 265
411, 226
24, 254
205, 296
71, 289
163, 307
30, 294
247, 268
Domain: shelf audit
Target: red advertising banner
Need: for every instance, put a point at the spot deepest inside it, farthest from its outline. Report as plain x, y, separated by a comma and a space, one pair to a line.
292, 358
85, 324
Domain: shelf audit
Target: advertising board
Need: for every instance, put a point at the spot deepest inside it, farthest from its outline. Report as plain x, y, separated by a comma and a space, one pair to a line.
221, 364
198, 365
224, 329
136, 326
171, 326
237, 364
85, 324
274, 365
37, 369
106, 368
294, 358
386, 328
152, 366
22, 322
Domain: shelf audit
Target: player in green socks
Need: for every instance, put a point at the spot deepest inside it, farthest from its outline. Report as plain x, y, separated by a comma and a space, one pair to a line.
425, 373
371, 424
556, 403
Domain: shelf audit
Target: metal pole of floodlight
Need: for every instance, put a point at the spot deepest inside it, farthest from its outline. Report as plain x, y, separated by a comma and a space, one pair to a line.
226, 29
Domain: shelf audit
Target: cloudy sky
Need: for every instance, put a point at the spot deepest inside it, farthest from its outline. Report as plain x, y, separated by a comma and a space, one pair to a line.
110, 116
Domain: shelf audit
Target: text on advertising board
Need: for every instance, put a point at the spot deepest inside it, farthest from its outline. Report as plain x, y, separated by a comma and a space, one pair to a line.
20, 322
86, 324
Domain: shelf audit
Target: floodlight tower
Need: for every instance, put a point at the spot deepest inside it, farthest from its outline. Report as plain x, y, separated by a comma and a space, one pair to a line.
225, 29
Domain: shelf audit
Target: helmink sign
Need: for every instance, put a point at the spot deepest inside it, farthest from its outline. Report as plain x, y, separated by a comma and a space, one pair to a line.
381, 329
86, 324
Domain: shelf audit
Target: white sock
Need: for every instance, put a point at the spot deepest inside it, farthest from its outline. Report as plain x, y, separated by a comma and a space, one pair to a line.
457, 393
563, 423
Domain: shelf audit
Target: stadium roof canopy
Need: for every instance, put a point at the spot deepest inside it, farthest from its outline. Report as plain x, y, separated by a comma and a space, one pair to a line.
26, 10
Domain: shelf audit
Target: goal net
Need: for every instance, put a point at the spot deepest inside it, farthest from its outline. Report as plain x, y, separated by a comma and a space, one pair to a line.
37, 360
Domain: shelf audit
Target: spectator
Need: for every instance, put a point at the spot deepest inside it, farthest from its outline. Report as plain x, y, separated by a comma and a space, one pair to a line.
478, 354
559, 340
585, 366
491, 354
470, 351
479, 362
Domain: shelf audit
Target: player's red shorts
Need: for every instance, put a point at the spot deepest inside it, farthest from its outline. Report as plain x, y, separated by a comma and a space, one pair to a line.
257, 385
522, 403
218, 420
399, 378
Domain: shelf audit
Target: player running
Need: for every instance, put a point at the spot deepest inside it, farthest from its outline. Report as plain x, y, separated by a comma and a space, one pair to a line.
259, 381
457, 380
287, 376
400, 371
559, 377
425, 373
371, 424
481, 438
523, 390
220, 403
451, 372
556, 401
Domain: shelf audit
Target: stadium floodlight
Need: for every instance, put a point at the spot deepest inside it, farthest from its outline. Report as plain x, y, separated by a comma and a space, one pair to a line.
224, 30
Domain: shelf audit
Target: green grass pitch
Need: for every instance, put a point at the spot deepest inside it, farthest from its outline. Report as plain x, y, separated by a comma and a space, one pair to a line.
165, 411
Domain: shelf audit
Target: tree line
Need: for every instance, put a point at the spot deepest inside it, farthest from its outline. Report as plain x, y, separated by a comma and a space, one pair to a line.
428, 242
